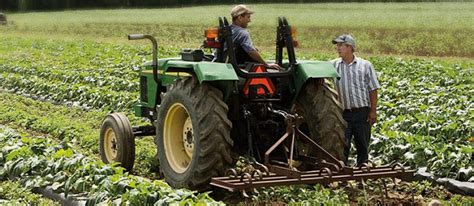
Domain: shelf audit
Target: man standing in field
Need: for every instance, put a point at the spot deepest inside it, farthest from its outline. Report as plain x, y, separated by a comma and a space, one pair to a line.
357, 90
244, 49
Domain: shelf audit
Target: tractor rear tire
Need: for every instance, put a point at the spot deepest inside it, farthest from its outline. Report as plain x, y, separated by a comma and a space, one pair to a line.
117, 143
322, 111
193, 135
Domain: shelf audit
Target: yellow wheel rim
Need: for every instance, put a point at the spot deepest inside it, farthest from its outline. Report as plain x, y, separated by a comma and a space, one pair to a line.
178, 138
110, 145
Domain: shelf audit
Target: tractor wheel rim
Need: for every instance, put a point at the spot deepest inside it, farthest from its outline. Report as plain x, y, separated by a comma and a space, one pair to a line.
110, 145
188, 137
178, 138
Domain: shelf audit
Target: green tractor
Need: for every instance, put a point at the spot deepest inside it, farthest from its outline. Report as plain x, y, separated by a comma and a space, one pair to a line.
207, 110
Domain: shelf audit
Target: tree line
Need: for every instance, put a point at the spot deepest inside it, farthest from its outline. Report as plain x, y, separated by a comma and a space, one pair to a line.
33, 5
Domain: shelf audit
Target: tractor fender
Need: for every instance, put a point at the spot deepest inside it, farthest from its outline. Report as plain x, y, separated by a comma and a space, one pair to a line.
170, 69
220, 75
205, 71
208, 71
306, 70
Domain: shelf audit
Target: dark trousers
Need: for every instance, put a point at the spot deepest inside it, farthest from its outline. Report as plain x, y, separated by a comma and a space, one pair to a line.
359, 128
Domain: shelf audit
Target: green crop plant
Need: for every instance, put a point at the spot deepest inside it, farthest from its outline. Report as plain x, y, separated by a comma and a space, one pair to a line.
48, 164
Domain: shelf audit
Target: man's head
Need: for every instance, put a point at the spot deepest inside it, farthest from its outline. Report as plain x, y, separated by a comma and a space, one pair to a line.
241, 15
345, 45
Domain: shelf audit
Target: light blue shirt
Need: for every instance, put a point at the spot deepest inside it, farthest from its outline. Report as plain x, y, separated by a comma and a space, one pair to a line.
357, 79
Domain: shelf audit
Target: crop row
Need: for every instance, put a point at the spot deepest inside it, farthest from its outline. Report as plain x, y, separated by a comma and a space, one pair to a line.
425, 116
70, 124
426, 98
78, 126
76, 72
91, 77
87, 74
39, 162
74, 94
80, 130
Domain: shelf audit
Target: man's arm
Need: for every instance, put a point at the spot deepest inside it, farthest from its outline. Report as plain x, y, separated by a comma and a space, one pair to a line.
373, 107
256, 56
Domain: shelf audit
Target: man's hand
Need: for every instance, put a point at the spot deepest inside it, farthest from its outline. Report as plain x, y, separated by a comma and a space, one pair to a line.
373, 107
256, 56
275, 66
372, 117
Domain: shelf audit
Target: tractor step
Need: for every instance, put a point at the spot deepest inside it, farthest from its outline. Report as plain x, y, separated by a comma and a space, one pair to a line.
247, 181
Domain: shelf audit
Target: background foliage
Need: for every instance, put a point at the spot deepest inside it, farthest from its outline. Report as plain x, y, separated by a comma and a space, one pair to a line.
26, 5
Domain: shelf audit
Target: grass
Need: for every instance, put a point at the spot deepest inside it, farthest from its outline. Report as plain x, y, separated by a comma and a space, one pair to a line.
395, 15
420, 29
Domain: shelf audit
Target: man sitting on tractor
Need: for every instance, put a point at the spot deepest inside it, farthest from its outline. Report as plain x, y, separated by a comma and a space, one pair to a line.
244, 49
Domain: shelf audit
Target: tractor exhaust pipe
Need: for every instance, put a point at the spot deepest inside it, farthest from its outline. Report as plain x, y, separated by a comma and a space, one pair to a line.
154, 63
155, 52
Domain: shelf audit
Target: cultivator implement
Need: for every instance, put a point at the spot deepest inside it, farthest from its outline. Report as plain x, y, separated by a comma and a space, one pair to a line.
277, 173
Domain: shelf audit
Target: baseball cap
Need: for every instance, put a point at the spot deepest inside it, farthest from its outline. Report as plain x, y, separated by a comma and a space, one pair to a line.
346, 39
239, 10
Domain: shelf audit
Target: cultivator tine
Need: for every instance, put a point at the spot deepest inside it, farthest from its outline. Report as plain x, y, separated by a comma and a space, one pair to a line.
244, 194
254, 190
263, 168
232, 173
246, 178
398, 165
328, 175
335, 167
259, 174
365, 166
384, 183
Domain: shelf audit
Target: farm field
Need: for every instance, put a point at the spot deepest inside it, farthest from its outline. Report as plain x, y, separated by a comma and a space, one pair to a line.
59, 79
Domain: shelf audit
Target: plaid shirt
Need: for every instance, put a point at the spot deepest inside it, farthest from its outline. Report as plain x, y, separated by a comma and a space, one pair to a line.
357, 79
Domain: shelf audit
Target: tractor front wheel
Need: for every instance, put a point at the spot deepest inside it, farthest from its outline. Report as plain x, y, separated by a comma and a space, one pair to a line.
117, 143
193, 134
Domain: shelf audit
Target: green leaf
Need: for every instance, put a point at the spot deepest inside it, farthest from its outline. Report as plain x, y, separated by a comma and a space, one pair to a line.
68, 153
57, 185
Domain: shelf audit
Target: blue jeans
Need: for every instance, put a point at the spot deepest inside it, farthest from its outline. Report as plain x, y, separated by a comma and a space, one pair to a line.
359, 128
